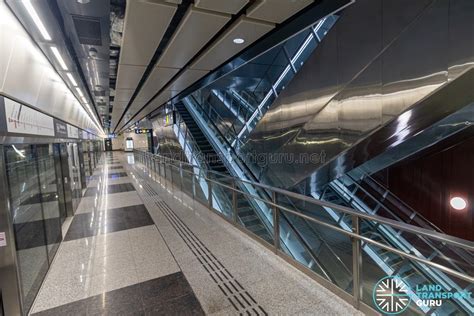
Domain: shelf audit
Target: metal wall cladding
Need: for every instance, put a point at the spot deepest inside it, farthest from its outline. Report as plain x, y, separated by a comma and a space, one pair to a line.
381, 58
167, 142
27, 75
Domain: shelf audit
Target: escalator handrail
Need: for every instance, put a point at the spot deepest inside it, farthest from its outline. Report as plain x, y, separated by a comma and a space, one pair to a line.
433, 226
297, 234
422, 238
395, 215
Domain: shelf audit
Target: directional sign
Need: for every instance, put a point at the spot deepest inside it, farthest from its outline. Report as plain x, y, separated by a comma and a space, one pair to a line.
142, 131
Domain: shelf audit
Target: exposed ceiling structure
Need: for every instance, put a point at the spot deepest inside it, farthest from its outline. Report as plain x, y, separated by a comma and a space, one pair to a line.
169, 45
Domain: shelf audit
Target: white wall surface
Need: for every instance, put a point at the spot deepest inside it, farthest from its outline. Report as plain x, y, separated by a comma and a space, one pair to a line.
27, 75
139, 140
118, 143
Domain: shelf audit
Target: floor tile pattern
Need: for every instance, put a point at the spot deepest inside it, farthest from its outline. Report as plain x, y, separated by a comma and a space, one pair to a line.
113, 188
168, 295
277, 286
237, 295
95, 223
186, 261
37, 233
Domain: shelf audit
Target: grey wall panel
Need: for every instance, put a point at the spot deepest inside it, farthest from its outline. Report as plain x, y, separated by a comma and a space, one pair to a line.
461, 37
381, 59
397, 16
417, 64
167, 143
359, 37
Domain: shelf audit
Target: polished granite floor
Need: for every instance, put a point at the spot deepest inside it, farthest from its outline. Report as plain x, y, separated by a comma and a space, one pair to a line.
136, 247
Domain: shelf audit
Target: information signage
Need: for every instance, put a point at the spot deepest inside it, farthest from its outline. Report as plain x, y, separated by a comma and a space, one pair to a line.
60, 129
72, 131
24, 120
142, 131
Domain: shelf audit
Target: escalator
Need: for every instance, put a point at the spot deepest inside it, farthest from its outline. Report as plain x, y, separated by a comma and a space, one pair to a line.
346, 191
349, 143
245, 212
297, 237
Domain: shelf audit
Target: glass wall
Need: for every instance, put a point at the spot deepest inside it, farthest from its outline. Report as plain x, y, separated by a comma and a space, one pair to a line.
87, 161
45, 185
75, 174
32, 182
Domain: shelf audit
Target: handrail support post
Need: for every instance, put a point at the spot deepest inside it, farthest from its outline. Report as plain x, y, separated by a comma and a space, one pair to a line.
209, 193
234, 202
356, 262
276, 223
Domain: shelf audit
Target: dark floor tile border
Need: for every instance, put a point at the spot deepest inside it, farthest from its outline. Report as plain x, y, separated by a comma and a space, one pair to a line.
39, 233
118, 219
111, 189
167, 295
117, 175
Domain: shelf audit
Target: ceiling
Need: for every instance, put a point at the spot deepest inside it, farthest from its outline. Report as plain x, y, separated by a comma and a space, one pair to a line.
127, 58
169, 45
79, 30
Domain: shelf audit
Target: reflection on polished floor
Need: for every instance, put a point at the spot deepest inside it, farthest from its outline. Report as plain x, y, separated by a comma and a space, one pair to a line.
135, 248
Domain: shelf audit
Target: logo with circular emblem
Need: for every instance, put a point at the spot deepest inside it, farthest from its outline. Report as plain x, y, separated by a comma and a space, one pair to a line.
391, 295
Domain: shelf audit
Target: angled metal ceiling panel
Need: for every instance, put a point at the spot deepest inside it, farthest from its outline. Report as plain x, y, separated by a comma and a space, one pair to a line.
157, 79
196, 29
144, 26
223, 48
187, 78
129, 76
157, 102
162, 98
276, 11
123, 95
231, 7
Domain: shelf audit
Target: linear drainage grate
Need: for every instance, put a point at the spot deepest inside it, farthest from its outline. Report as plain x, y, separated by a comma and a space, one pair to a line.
237, 295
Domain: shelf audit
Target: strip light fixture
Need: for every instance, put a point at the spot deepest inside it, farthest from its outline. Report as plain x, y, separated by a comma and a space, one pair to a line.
80, 92
71, 78
59, 58
34, 16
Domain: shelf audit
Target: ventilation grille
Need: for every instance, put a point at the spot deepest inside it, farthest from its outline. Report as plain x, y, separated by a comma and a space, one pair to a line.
99, 93
88, 30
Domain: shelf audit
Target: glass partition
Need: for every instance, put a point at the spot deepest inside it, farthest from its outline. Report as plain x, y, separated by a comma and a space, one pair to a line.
35, 211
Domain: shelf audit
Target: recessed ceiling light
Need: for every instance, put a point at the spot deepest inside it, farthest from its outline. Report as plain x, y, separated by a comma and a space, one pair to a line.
458, 203
239, 40
39, 24
59, 58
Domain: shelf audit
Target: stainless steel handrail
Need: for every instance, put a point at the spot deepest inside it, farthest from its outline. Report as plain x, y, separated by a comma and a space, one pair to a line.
462, 243
428, 242
354, 233
297, 234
